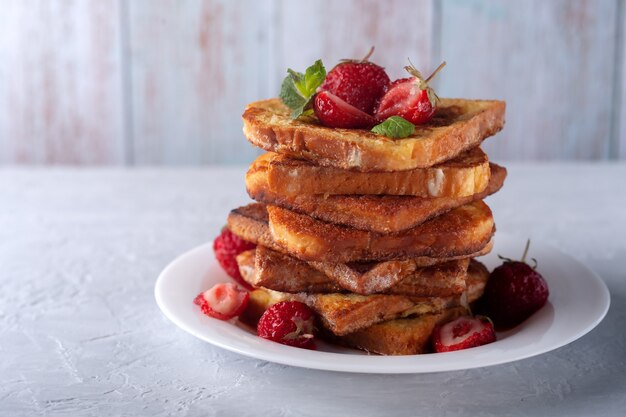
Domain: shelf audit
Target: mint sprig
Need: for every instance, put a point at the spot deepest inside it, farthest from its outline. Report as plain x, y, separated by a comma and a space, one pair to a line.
395, 127
297, 89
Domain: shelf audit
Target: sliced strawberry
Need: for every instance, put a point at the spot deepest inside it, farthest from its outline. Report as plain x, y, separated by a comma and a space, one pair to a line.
223, 301
335, 112
406, 99
463, 333
410, 98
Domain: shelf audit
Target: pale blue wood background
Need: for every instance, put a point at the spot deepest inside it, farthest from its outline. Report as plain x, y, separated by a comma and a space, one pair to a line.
138, 82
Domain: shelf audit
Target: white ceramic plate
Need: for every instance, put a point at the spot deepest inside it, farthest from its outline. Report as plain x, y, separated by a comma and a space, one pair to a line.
578, 301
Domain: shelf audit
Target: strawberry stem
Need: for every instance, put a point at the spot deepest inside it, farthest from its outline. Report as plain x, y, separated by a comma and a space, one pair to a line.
443, 64
535, 263
413, 71
526, 250
369, 54
502, 258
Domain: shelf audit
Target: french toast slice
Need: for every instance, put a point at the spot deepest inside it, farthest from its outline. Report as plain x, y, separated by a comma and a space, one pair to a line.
458, 125
439, 280
411, 336
463, 176
408, 336
477, 277
263, 267
376, 213
251, 223
344, 314
461, 231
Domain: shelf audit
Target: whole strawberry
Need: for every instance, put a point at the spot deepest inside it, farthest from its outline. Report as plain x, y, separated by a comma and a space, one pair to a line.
514, 292
410, 98
226, 247
290, 323
359, 83
463, 333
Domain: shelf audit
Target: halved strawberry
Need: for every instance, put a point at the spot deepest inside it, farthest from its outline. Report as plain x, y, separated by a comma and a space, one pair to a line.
407, 100
223, 301
334, 112
463, 333
410, 98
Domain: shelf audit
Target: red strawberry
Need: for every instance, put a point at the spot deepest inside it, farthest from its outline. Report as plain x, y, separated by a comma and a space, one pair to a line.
289, 323
514, 292
358, 83
226, 247
463, 333
334, 112
224, 301
409, 98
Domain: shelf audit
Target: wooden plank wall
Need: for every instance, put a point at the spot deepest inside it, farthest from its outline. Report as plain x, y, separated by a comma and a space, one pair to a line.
147, 82
61, 96
552, 61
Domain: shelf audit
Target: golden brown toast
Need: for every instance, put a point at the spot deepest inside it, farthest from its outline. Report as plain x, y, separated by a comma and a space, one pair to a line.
273, 270
409, 336
382, 214
251, 223
477, 277
461, 231
439, 280
346, 313
458, 125
264, 267
463, 176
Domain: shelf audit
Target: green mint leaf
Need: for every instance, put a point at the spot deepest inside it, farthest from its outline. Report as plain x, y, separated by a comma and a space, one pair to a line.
314, 77
297, 89
395, 127
297, 76
290, 95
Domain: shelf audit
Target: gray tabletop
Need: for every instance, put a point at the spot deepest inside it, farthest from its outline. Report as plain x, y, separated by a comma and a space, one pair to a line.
80, 332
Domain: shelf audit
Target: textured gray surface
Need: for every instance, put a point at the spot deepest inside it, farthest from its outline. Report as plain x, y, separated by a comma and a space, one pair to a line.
80, 333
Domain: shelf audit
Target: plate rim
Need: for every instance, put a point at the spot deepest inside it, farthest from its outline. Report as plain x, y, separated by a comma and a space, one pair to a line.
321, 360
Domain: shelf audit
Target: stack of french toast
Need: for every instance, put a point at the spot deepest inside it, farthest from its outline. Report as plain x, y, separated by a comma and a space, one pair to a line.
377, 235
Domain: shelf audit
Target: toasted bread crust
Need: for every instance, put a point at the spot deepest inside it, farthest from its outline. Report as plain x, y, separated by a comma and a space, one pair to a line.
410, 336
381, 214
458, 125
400, 278
348, 314
462, 231
251, 223
463, 176
477, 277
273, 270
263, 267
